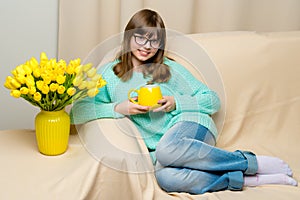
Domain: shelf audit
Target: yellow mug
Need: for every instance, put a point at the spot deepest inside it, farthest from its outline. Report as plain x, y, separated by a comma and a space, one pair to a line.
148, 95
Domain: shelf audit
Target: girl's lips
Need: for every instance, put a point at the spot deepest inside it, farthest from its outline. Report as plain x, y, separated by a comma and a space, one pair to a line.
143, 53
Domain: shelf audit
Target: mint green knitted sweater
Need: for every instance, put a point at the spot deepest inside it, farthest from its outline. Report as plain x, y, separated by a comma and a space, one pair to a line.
194, 102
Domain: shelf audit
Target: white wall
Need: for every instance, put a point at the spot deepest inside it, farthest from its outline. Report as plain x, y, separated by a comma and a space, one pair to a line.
26, 29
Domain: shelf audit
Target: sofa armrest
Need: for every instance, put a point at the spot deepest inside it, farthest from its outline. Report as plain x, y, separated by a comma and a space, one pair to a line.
116, 143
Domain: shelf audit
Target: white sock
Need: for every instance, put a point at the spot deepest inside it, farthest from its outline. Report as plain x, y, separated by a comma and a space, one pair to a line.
272, 165
263, 179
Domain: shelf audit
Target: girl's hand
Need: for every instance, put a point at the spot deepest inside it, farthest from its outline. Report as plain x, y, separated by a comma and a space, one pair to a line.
129, 108
168, 104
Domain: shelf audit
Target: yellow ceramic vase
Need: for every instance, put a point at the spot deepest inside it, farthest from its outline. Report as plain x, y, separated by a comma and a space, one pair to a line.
52, 131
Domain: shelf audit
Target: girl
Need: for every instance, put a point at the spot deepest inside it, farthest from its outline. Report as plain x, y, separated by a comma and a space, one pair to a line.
180, 134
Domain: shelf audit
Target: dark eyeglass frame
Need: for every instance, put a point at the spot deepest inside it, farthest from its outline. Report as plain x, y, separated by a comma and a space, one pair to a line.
146, 41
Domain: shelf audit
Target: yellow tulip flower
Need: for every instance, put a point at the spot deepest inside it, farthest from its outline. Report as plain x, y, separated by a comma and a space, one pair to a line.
21, 78
46, 79
60, 79
60, 71
96, 77
27, 69
70, 69
15, 93
43, 59
24, 90
53, 87
52, 64
39, 84
92, 72
53, 76
71, 91
29, 81
77, 80
62, 64
37, 96
82, 85
45, 89
91, 84
92, 92
61, 89
75, 62
78, 69
15, 83
87, 67
14, 72
32, 90
33, 63
100, 83
20, 70
36, 72
8, 84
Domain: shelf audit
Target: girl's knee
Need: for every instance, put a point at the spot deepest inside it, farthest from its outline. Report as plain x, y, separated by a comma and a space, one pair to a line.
179, 180
166, 179
161, 154
166, 154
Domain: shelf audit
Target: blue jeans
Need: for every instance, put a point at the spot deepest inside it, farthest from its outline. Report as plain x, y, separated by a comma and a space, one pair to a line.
188, 161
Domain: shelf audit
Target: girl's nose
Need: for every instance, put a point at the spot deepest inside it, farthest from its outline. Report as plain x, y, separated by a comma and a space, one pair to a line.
147, 45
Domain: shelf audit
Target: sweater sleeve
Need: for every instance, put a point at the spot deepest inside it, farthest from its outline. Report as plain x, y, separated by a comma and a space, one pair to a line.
100, 106
89, 109
191, 94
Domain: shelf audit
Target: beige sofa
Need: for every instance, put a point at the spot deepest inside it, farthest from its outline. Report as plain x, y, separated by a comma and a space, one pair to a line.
258, 78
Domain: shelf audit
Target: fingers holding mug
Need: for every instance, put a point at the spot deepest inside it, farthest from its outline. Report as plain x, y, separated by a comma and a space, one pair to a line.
168, 104
129, 108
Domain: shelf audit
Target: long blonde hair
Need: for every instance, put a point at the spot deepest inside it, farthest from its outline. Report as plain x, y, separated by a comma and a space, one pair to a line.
144, 21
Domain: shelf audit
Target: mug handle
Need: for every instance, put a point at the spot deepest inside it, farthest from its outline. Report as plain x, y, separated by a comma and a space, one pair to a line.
129, 97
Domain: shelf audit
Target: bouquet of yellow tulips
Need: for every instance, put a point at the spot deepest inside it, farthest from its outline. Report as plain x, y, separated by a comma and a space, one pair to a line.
52, 85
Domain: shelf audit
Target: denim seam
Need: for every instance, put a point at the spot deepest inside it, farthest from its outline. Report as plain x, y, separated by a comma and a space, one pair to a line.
236, 180
252, 162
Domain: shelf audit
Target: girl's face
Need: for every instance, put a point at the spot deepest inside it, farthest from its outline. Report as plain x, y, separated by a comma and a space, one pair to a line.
143, 47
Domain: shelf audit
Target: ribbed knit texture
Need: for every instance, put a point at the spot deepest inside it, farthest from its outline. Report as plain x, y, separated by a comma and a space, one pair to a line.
194, 102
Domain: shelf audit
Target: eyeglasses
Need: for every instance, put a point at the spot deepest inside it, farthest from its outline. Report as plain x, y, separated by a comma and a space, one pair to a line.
141, 40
